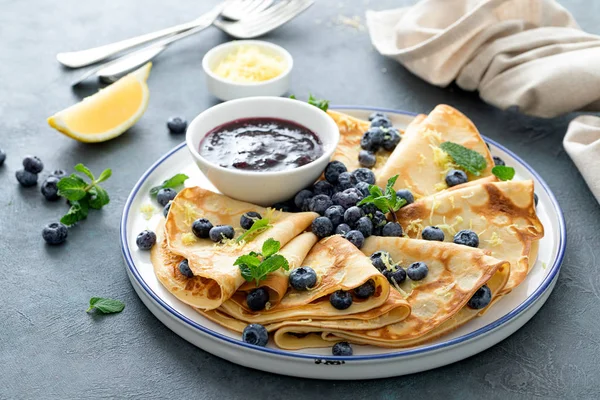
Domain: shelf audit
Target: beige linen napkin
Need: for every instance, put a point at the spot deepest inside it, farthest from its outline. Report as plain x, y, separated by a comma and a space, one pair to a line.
525, 53
582, 142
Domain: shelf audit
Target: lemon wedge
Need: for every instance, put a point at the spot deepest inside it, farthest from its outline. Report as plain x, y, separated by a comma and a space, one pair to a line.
108, 113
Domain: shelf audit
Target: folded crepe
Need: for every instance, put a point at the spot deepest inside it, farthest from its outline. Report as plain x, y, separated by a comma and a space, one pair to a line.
420, 162
216, 279
502, 214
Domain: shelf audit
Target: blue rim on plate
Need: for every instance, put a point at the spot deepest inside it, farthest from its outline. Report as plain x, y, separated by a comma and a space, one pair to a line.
553, 272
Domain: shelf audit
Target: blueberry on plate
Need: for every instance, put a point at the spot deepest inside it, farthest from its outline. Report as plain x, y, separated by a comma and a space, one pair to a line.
364, 226
455, 177
201, 227
342, 349
498, 161
391, 138
369, 209
303, 278
417, 271
395, 276
283, 206
220, 232
377, 115
363, 188
33, 164
364, 175
432, 233
177, 125
356, 238
365, 290
55, 233
320, 203
467, 237
340, 299
352, 215
26, 178
322, 227
323, 187
372, 139
335, 214
257, 299
247, 219
380, 260
378, 219
59, 173
481, 298
255, 334
346, 199
166, 210
367, 158
406, 195
333, 171
2, 157
184, 268
145, 240
301, 199
381, 122
50, 188
344, 181
165, 195
342, 229
535, 199
392, 229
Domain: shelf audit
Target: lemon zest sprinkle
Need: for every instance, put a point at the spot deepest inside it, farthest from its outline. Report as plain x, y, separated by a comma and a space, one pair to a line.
148, 211
188, 239
495, 240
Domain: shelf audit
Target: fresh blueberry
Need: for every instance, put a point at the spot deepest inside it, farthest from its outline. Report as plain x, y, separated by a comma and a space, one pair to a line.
365, 226
363, 187
33, 164
166, 210
417, 271
59, 173
354, 192
381, 122
481, 298
346, 199
365, 290
392, 229
55, 233
356, 238
335, 214
376, 115
26, 178
257, 299
367, 158
303, 278
432, 233
467, 237
301, 199
220, 232
255, 334
344, 181
352, 215
201, 228
406, 195
184, 268
322, 227
369, 209
372, 139
364, 175
247, 219
320, 203
323, 187
283, 206
535, 198
455, 177
145, 240
50, 188
397, 276
342, 349
342, 229
164, 196
379, 219
498, 161
391, 138
340, 300
177, 125
333, 171
380, 259
2, 157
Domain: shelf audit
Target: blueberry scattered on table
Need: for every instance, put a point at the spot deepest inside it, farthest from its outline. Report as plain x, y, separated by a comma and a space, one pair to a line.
323, 187
356, 238
33, 164
363, 187
26, 178
344, 181
177, 125
255, 334
455, 177
335, 214
367, 158
59, 173
376, 115
481, 298
379, 259
55, 233
342, 349
381, 122
201, 227
364, 226
145, 240
165, 195
467, 237
397, 275
322, 227
342, 229
184, 268
432, 233
247, 219
392, 229
363, 175
365, 290
303, 278
301, 199
406, 195
391, 138
220, 232
352, 215
340, 299
417, 271
166, 209
50, 188
333, 171
257, 299
498, 161
2, 157
320, 203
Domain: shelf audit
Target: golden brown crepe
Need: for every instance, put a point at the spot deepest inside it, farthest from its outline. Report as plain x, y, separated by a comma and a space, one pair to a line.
419, 161
502, 214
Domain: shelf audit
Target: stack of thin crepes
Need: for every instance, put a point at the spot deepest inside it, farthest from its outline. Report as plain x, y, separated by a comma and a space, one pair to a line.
397, 315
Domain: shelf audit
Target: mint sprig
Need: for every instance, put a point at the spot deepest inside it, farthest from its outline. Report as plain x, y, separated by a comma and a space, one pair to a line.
387, 202
256, 266
258, 226
470, 160
171, 183
83, 195
313, 101
503, 172
106, 306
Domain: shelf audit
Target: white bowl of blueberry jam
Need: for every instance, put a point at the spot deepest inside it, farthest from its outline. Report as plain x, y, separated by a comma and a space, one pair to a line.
262, 150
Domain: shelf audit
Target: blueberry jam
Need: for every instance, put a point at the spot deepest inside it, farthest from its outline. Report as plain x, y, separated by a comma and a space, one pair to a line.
261, 144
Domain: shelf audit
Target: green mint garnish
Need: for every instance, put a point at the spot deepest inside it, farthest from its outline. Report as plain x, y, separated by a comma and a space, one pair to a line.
258, 226
319, 103
81, 194
471, 161
386, 203
503, 172
106, 306
256, 266
173, 182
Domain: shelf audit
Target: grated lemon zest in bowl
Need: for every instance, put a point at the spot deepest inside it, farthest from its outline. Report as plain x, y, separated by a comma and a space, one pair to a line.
148, 210
250, 64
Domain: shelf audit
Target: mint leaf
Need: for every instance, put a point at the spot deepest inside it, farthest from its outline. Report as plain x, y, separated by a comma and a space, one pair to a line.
270, 247
106, 306
256, 267
84, 170
99, 197
173, 182
390, 183
246, 272
273, 263
319, 103
293, 97
400, 202
81, 194
107, 173
375, 190
503, 172
259, 226
77, 212
249, 260
382, 203
72, 188
366, 200
467, 159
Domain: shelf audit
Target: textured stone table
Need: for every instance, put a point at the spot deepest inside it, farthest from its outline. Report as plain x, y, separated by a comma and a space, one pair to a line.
50, 348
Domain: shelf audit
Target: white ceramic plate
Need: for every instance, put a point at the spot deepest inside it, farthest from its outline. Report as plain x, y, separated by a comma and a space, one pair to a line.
504, 318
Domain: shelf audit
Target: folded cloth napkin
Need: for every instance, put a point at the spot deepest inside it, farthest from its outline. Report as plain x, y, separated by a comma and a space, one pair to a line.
525, 53
582, 142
